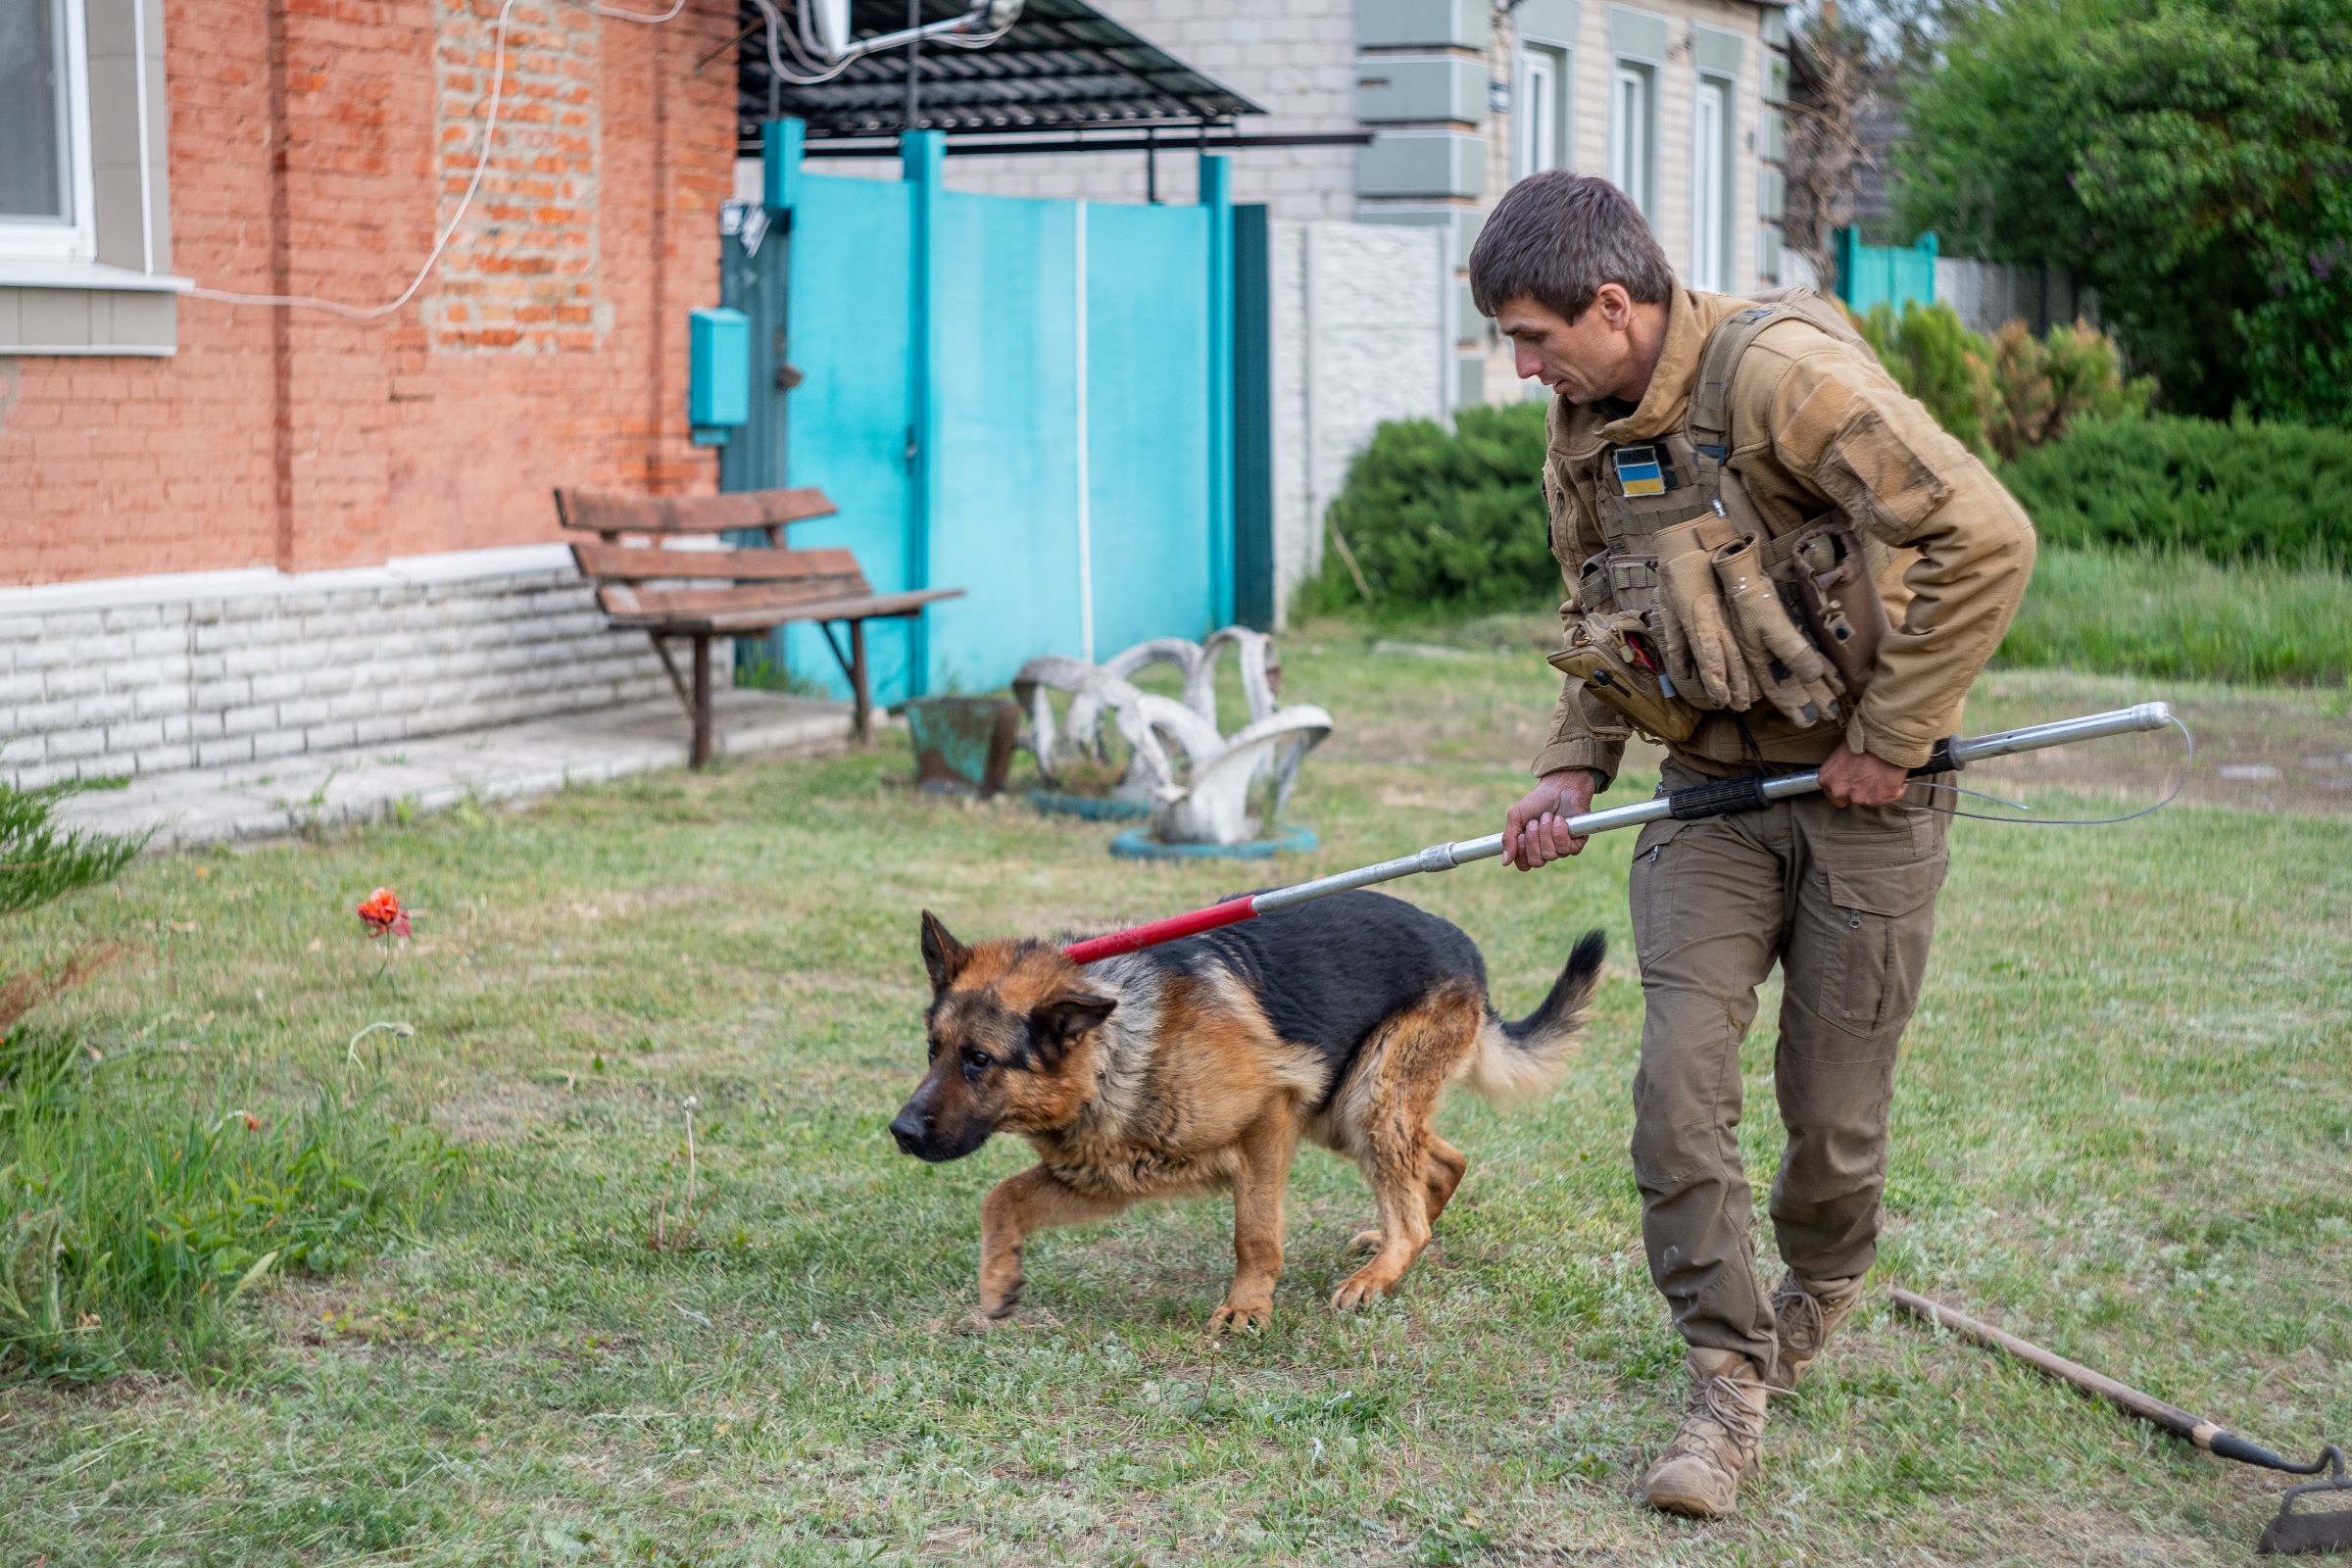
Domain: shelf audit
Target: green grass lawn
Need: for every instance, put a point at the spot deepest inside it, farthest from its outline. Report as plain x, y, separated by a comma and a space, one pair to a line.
2124, 1128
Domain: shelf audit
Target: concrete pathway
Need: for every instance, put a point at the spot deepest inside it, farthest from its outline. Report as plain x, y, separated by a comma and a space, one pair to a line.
514, 761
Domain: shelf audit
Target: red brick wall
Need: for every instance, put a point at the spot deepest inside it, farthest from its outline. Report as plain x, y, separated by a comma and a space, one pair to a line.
316, 145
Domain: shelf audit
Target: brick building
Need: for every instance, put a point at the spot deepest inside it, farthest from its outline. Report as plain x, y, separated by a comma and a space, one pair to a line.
233, 530
229, 528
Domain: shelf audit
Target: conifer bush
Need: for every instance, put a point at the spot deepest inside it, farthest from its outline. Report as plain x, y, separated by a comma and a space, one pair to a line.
1442, 519
2229, 492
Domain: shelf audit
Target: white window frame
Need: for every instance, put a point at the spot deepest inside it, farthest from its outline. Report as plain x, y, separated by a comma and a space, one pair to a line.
75, 239
1633, 160
1710, 185
1541, 104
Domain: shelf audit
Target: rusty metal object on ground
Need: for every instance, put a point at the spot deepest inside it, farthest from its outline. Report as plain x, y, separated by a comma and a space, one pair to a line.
962, 743
2313, 1517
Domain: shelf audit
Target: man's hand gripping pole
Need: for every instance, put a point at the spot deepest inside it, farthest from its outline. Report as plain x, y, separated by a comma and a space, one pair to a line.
1708, 800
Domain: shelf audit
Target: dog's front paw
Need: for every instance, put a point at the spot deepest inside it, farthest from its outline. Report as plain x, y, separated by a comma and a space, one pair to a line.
1361, 1288
998, 1301
1235, 1318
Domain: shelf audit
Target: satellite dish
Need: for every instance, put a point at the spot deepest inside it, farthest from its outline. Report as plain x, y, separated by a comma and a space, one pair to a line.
832, 26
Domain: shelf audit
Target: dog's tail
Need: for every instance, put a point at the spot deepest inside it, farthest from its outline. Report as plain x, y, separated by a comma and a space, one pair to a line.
1527, 1058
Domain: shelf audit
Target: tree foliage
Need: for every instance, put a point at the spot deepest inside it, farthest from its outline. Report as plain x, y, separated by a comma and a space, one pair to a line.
2187, 158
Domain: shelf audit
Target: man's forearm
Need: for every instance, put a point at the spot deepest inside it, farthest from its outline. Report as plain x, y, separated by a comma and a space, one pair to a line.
1975, 560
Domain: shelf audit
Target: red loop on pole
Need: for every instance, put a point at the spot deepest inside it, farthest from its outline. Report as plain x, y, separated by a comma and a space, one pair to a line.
1233, 911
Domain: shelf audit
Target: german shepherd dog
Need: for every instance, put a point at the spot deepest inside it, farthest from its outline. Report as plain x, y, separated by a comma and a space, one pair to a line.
1201, 1064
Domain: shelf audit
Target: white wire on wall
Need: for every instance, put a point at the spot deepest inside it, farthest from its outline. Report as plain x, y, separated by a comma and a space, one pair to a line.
481, 166
794, 39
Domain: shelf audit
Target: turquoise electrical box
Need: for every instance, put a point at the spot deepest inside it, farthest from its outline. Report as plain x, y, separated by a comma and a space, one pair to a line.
719, 373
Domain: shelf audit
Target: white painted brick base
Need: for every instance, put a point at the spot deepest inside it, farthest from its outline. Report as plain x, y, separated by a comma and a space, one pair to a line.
1359, 337
150, 674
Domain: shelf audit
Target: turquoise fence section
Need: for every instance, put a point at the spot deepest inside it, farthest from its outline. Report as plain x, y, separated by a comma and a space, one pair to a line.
1147, 426
1005, 438
1884, 274
851, 335
1022, 399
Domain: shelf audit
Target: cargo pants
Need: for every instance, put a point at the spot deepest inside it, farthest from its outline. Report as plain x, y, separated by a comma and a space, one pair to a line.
1844, 901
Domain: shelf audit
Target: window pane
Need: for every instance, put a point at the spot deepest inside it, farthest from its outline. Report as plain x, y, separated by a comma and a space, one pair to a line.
1629, 158
32, 182
1621, 164
1707, 188
1538, 130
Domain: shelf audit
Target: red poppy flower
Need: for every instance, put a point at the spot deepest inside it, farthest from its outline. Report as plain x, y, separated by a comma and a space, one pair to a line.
382, 913
253, 1123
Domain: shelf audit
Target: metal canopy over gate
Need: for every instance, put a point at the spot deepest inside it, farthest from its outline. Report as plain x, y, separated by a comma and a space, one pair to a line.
1062, 66
1029, 400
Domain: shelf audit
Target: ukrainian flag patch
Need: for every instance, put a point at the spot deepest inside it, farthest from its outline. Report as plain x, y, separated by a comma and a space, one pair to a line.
1639, 472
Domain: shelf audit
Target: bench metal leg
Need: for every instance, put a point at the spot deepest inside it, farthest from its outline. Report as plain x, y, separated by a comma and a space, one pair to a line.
852, 670
701, 706
676, 682
859, 693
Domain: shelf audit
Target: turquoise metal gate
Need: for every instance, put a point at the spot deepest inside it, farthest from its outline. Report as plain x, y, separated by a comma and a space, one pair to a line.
1029, 400
1893, 275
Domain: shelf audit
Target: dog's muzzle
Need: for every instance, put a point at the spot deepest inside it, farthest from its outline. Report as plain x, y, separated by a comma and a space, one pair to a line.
912, 1131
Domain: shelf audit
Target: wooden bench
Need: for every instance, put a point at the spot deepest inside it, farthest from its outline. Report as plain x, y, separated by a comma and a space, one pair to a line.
667, 589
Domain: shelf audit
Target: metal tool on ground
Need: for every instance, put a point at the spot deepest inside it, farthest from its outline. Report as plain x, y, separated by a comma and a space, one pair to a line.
1709, 799
2315, 1517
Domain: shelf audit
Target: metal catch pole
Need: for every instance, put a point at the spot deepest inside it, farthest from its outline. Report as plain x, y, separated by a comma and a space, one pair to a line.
1710, 799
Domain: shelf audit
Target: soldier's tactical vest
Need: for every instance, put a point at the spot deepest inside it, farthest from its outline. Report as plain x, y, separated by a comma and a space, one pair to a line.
1823, 570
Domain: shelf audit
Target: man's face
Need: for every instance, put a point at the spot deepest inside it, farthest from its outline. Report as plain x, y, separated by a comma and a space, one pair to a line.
1583, 360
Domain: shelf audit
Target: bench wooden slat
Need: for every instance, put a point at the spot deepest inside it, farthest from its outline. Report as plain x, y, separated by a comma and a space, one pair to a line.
611, 512
646, 606
630, 563
870, 607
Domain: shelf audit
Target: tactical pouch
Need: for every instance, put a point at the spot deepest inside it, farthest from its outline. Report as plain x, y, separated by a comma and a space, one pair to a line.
1841, 603
1593, 589
1601, 655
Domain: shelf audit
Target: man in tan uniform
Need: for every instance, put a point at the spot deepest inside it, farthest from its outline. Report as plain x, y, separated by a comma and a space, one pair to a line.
1695, 439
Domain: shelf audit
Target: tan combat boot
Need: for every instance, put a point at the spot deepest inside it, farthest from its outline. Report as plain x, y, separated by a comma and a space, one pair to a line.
1804, 1314
1700, 1472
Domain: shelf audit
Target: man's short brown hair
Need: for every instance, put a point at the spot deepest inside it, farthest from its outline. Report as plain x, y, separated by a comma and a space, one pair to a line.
1557, 237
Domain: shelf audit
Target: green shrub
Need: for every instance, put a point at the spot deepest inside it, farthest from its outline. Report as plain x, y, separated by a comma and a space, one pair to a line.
2043, 387
2228, 492
1940, 362
1436, 517
40, 862
2009, 393
2146, 613
134, 1212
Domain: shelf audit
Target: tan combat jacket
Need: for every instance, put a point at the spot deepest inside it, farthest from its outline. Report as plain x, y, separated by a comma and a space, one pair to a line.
1817, 425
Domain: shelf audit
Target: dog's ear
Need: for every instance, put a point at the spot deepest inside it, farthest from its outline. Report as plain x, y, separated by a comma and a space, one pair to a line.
1057, 1022
943, 955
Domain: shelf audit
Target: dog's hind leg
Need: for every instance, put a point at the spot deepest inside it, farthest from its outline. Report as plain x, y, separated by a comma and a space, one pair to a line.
1447, 1167
1262, 1172
1441, 1172
1017, 1208
1395, 1089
